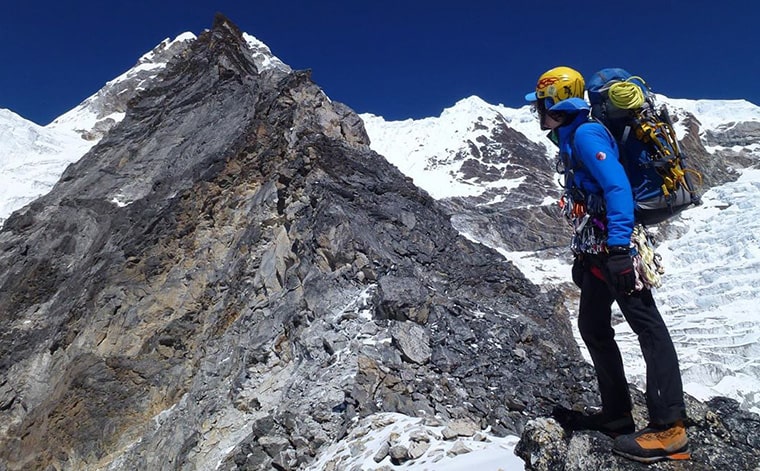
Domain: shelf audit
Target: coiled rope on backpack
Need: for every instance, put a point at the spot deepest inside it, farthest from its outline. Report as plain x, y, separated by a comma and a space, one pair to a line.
627, 95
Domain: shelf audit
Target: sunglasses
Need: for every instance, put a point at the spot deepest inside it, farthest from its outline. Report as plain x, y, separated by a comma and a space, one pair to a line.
540, 108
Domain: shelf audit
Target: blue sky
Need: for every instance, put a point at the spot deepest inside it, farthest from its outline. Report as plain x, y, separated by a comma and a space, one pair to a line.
397, 59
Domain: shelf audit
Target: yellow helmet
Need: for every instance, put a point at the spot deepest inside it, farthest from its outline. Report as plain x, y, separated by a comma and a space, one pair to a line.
557, 84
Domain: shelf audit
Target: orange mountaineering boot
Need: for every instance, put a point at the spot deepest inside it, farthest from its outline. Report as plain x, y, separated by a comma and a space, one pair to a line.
655, 443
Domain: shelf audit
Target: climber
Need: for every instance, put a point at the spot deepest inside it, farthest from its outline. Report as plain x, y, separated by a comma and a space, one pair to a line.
598, 203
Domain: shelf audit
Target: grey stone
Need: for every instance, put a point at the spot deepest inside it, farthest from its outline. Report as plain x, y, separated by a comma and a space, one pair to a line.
542, 445
413, 342
458, 448
382, 452
417, 449
402, 298
460, 428
399, 453
274, 445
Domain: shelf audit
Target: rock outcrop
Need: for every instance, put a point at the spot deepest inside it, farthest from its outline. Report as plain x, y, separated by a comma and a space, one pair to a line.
520, 221
715, 168
720, 437
231, 278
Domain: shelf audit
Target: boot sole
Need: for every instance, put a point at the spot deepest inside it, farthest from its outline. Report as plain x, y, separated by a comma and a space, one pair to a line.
676, 456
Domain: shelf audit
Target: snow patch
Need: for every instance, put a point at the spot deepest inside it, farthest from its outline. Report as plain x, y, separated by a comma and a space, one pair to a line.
367, 443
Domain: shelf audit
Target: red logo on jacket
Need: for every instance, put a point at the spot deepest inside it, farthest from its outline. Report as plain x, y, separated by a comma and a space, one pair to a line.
601, 155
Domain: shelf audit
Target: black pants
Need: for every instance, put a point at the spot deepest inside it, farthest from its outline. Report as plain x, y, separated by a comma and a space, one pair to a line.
664, 391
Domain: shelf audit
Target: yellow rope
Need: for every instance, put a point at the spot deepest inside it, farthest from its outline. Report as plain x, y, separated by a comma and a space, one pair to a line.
626, 95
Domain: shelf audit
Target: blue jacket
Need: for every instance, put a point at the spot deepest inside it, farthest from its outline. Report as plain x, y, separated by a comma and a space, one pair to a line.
593, 156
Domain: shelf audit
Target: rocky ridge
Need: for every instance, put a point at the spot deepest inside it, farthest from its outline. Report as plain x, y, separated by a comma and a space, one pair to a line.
232, 278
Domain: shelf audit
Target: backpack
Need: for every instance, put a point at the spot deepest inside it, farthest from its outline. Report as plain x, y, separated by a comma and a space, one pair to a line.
662, 184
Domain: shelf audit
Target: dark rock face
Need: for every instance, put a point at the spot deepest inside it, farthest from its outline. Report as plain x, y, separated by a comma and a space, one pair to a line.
231, 275
735, 134
521, 220
717, 168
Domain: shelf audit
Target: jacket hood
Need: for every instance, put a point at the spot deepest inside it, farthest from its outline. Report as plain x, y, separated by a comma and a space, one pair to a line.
566, 130
571, 105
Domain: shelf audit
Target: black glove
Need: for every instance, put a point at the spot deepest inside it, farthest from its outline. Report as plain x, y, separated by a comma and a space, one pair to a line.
577, 272
620, 269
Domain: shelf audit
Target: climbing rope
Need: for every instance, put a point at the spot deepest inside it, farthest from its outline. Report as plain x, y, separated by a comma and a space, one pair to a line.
627, 95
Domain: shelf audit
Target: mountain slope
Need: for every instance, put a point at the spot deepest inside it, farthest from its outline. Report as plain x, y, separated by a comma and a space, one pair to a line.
36, 156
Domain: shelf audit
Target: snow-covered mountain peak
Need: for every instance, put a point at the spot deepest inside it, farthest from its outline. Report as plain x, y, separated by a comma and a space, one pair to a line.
714, 115
92, 118
432, 150
715, 112
159, 55
440, 153
263, 56
725, 126
471, 104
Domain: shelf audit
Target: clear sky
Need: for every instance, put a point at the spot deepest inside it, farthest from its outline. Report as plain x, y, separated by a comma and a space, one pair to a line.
397, 59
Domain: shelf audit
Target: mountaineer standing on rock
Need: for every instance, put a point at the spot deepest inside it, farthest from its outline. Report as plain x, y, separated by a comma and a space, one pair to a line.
598, 197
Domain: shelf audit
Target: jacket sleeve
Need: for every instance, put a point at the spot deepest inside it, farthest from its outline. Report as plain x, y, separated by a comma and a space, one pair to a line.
599, 154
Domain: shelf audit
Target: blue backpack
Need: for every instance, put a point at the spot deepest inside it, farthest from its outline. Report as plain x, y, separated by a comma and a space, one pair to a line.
662, 184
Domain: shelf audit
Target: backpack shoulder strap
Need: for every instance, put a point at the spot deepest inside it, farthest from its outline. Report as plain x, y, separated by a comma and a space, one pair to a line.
571, 162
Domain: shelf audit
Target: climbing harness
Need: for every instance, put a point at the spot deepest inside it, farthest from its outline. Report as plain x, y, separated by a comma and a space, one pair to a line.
589, 226
584, 213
